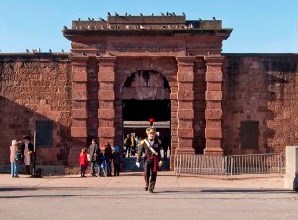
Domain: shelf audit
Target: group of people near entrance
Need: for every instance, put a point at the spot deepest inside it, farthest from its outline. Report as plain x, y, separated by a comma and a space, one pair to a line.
149, 146
131, 145
103, 160
21, 152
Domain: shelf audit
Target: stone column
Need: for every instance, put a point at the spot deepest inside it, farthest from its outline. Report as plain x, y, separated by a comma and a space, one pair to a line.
174, 121
213, 112
79, 108
185, 97
106, 111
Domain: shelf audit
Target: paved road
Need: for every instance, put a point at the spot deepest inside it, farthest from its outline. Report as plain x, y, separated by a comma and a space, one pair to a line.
74, 198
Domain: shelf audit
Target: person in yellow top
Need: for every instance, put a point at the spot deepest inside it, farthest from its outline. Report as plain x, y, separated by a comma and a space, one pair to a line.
133, 145
151, 147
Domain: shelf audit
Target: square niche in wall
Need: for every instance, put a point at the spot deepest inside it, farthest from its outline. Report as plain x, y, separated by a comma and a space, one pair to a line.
249, 133
44, 133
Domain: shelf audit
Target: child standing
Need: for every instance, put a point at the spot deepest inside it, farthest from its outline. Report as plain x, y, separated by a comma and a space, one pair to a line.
83, 162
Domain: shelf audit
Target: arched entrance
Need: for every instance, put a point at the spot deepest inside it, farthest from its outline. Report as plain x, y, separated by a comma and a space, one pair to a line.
146, 94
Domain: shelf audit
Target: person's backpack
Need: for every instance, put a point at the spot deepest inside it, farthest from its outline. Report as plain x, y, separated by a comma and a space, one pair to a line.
18, 156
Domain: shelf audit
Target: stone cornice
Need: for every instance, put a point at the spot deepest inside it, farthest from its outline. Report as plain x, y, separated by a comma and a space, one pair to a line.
79, 60
214, 60
70, 33
185, 60
106, 60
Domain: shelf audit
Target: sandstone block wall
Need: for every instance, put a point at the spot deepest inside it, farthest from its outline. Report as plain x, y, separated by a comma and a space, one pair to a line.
35, 87
263, 88
260, 88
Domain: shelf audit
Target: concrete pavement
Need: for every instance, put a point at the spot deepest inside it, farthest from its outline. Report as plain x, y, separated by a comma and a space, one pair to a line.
187, 197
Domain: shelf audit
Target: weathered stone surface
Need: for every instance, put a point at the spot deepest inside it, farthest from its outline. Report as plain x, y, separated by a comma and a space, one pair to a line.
185, 105
186, 95
79, 86
214, 86
185, 114
213, 143
213, 114
213, 123
213, 133
185, 75
79, 95
185, 145
214, 76
78, 132
108, 132
107, 123
213, 95
106, 86
213, 105
185, 132
79, 75
106, 74
79, 123
214, 151
106, 95
79, 113
106, 113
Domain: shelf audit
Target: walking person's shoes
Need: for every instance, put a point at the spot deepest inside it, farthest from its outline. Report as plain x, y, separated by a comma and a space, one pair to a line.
151, 191
146, 188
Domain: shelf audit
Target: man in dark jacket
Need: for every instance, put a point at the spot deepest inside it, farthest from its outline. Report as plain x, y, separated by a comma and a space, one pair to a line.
94, 151
151, 146
127, 144
116, 161
108, 156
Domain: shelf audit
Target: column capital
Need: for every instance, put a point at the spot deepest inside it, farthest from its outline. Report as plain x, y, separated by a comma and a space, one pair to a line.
79, 60
186, 60
215, 60
110, 61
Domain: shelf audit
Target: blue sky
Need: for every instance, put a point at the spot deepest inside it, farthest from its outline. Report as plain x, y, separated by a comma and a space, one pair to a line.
260, 26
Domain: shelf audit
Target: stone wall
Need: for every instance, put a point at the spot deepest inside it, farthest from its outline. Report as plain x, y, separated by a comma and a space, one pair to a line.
35, 87
258, 88
261, 88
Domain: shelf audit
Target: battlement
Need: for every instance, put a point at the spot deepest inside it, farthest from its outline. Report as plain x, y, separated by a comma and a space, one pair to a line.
153, 22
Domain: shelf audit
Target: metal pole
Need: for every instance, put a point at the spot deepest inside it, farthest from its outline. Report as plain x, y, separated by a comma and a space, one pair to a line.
34, 155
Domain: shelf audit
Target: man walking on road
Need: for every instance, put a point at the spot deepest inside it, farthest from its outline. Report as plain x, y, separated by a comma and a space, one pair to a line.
151, 146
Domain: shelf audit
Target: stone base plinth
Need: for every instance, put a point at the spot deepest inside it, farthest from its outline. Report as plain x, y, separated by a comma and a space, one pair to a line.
291, 177
213, 151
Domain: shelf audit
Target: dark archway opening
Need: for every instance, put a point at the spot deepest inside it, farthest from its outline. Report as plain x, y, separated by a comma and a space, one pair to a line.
142, 110
145, 94
135, 121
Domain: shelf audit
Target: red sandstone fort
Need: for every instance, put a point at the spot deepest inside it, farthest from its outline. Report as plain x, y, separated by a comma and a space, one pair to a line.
122, 71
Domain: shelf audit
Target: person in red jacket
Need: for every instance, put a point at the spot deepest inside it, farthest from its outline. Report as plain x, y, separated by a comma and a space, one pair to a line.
83, 162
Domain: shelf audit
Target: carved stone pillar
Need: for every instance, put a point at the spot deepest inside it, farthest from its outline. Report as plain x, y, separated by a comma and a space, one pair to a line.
213, 112
185, 97
79, 108
106, 111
